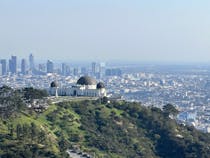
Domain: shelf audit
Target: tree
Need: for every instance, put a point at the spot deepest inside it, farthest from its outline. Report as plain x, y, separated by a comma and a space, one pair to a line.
26, 130
105, 100
41, 136
11, 129
31, 93
34, 131
19, 131
63, 144
169, 109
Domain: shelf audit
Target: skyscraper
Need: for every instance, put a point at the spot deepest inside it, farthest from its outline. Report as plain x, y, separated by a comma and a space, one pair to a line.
84, 71
23, 66
93, 68
68, 70
31, 62
13, 64
50, 66
1, 70
4, 66
64, 69
102, 69
76, 71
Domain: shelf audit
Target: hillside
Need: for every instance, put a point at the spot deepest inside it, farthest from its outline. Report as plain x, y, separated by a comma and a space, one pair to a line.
116, 129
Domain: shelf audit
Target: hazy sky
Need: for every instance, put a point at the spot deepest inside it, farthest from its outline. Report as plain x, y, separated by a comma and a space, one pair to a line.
140, 30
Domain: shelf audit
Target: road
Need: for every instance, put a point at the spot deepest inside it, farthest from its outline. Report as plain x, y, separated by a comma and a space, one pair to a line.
59, 99
74, 154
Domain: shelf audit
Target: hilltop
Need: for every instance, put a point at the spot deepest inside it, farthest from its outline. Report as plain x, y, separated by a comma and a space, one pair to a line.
115, 129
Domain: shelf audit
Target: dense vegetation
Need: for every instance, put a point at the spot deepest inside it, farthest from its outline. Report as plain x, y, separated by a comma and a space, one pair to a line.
116, 129
123, 129
31, 93
12, 101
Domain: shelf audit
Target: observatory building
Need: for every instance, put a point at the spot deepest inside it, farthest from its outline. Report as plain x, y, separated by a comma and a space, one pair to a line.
85, 86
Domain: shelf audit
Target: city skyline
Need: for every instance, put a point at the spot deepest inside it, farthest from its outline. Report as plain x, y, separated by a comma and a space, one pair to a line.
15, 66
146, 31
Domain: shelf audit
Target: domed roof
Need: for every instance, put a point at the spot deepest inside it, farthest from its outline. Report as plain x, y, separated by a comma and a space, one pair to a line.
54, 84
86, 80
100, 85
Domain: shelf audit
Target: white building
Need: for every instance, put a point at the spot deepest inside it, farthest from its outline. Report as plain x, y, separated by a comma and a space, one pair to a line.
85, 86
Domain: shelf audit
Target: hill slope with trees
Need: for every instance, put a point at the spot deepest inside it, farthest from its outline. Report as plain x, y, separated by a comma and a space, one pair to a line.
116, 129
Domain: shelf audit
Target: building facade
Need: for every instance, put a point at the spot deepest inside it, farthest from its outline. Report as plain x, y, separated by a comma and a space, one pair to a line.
85, 86
23, 66
4, 66
13, 64
50, 66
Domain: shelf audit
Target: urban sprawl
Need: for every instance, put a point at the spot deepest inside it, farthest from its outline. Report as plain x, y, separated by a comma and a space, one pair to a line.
188, 88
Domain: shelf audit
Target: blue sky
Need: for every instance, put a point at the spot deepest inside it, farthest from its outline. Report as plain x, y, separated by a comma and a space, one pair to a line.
103, 30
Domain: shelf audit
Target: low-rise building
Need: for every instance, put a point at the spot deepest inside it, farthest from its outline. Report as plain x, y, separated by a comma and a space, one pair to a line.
85, 86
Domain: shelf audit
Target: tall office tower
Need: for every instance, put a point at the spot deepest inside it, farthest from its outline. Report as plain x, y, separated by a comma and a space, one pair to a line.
76, 71
1, 70
68, 70
84, 71
50, 66
10, 65
93, 68
13, 65
23, 66
102, 69
31, 62
4, 66
64, 69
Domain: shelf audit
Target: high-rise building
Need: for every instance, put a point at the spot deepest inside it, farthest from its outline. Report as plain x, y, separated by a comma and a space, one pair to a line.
50, 66
76, 71
102, 69
13, 65
68, 70
4, 66
23, 66
31, 62
93, 68
84, 71
64, 69
10, 65
1, 70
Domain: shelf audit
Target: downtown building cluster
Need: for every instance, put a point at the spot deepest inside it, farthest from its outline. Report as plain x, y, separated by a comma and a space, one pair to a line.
31, 73
13, 66
10, 67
